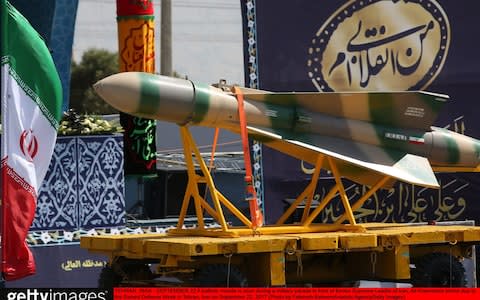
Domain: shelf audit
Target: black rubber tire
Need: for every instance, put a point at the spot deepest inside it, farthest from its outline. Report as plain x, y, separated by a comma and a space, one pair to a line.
109, 278
216, 276
438, 270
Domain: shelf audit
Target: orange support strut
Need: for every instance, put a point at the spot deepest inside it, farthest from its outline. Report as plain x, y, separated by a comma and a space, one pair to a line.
251, 195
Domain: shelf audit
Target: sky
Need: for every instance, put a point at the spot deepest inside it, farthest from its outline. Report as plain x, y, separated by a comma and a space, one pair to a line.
206, 46
206, 34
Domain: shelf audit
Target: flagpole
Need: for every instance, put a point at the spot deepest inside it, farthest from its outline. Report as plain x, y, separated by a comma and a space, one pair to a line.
3, 39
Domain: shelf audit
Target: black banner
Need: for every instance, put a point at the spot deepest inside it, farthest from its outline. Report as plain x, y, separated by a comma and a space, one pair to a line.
139, 145
369, 45
65, 266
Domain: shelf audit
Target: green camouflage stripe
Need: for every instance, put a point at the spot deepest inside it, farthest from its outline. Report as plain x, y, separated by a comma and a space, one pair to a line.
202, 102
452, 149
149, 93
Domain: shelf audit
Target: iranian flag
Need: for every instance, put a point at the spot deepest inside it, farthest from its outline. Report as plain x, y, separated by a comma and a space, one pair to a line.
31, 102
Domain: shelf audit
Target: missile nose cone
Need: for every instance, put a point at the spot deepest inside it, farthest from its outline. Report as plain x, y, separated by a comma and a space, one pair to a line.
117, 90
149, 96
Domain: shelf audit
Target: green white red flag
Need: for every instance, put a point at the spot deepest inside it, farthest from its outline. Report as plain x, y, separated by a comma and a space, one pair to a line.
31, 102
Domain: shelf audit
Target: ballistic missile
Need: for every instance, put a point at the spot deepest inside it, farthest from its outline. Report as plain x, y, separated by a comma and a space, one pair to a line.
369, 134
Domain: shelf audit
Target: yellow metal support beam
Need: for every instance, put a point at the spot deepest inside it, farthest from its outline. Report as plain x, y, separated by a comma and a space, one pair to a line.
192, 186
321, 206
365, 197
343, 196
315, 176
294, 205
190, 152
208, 178
234, 210
219, 201
456, 169
277, 269
307, 193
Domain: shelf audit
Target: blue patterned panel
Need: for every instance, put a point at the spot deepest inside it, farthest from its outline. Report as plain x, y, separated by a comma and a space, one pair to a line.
55, 22
84, 185
57, 204
40, 14
61, 41
101, 181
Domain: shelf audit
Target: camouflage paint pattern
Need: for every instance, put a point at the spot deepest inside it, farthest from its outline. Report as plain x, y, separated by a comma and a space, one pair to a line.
369, 134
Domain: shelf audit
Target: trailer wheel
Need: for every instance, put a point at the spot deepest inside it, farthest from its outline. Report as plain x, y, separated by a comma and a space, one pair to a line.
438, 270
110, 278
218, 275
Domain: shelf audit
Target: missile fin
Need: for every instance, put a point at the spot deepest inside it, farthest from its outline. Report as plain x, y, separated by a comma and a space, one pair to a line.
365, 164
418, 167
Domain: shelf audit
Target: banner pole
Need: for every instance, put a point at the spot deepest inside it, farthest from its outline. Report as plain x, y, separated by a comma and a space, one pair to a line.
136, 50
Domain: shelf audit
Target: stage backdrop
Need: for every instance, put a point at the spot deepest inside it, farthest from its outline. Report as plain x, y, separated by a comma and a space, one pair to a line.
368, 45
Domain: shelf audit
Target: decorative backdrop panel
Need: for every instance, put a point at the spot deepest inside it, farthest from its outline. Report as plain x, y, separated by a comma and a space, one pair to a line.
101, 184
57, 203
84, 186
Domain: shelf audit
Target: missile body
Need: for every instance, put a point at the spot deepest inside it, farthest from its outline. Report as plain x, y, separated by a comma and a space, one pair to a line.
176, 100
397, 123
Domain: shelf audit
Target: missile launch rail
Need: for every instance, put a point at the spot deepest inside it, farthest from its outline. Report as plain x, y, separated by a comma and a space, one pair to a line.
283, 254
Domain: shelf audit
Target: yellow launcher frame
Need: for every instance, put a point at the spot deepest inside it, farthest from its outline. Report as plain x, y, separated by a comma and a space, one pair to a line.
219, 201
